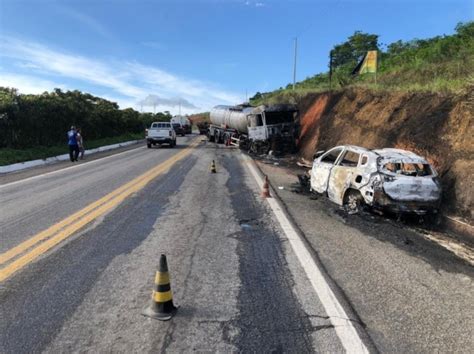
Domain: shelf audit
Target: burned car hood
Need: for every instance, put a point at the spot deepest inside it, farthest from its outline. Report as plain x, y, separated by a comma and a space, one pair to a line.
406, 188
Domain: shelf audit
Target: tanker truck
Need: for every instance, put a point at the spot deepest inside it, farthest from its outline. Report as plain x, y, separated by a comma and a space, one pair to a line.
256, 129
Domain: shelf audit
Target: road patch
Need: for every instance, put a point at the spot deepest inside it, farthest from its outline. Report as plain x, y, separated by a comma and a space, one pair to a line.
343, 325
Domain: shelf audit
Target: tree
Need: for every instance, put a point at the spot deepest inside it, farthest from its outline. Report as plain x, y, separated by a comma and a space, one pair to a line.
465, 29
354, 48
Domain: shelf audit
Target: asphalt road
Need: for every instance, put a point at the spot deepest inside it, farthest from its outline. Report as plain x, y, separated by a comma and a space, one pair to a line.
412, 294
239, 284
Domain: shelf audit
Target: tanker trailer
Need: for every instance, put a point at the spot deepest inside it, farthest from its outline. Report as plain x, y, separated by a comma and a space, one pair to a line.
257, 129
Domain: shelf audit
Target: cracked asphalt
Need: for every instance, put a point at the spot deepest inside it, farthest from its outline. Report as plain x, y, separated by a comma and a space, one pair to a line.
412, 294
237, 283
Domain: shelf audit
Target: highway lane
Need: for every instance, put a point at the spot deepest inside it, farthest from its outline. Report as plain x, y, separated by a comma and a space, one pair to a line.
239, 284
233, 270
29, 207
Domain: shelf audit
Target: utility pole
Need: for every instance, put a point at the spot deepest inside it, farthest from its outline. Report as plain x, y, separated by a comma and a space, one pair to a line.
294, 63
180, 107
330, 70
246, 96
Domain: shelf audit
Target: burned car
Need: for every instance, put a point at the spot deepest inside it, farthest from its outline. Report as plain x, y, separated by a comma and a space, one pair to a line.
387, 179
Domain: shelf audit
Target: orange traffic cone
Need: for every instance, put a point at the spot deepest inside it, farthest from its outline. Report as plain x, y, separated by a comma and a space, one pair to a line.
161, 307
266, 189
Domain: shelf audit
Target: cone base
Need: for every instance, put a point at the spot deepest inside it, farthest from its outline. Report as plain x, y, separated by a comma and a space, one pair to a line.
150, 312
265, 195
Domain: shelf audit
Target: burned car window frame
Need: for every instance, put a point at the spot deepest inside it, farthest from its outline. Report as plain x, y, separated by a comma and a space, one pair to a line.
329, 153
350, 163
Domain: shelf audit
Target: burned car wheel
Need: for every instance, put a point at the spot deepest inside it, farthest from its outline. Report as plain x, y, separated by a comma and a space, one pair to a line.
353, 202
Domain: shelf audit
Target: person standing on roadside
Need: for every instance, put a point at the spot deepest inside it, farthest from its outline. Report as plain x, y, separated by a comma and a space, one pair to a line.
72, 143
80, 142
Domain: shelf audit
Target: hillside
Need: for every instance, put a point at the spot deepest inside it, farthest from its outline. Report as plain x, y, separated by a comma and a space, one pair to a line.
438, 64
437, 126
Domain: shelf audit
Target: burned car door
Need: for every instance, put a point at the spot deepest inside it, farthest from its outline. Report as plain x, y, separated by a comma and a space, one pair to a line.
322, 169
343, 175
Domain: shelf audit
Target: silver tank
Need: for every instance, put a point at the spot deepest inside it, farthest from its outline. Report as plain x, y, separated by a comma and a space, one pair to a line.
231, 117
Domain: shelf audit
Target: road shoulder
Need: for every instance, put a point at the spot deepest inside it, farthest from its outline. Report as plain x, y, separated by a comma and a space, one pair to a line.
10, 177
405, 288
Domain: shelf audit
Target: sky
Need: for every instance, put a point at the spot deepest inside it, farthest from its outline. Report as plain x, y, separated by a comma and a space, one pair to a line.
189, 55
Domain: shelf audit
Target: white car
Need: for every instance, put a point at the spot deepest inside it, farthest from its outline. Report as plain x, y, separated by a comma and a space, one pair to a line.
392, 179
160, 133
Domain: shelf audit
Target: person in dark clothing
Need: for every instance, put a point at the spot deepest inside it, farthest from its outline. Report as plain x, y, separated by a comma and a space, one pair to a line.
72, 143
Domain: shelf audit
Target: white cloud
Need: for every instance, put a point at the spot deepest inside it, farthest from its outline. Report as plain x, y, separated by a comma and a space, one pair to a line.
154, 100
253, 3
131, 81
28, 84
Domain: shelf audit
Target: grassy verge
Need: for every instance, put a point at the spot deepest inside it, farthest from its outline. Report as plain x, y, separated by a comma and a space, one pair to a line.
9, 156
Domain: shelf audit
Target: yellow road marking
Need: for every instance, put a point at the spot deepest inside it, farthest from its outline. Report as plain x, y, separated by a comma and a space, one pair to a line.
68, 226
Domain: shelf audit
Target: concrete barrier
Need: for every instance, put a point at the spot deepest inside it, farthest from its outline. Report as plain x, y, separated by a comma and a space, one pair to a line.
28, 164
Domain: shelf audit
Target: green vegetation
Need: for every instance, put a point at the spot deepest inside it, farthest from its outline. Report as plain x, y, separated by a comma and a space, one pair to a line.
9, 156
441, 63
28, 121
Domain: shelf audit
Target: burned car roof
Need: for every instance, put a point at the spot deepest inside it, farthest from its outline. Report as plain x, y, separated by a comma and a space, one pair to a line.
400, 155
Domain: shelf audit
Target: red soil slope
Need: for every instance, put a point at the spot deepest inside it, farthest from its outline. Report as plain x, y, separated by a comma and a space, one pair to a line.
438, 127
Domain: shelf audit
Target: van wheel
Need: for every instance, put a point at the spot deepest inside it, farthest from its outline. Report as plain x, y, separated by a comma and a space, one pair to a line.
148, 145
353, 202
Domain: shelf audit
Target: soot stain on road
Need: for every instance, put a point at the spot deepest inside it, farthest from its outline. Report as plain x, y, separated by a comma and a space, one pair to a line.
271, 318
385, 228
49, 291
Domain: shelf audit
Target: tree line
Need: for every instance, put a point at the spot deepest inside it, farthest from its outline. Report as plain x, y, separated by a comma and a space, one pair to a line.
42, 120
450, 57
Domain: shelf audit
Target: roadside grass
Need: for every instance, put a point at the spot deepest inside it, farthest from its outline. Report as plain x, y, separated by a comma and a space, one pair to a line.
453, 76
437, 85
10, 156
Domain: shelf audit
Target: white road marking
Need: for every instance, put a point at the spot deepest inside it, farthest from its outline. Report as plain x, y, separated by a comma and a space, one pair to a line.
342, 324
68, 168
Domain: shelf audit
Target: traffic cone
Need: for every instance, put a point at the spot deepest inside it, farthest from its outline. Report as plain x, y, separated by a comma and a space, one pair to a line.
266, 189
213, 167
161, 307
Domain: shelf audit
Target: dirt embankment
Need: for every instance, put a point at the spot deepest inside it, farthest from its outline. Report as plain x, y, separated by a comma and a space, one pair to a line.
438, 127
